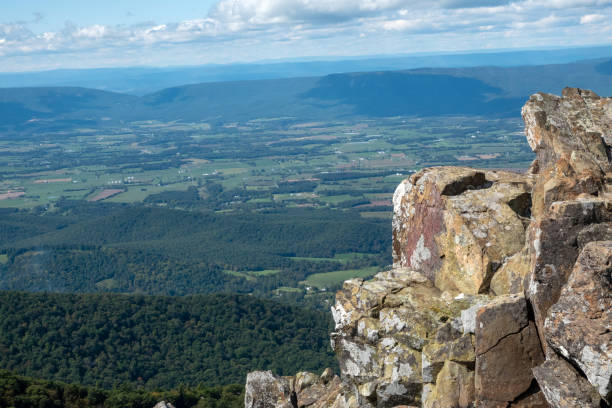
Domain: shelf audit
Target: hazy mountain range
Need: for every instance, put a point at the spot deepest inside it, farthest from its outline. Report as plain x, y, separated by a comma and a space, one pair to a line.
483, 90
145, 80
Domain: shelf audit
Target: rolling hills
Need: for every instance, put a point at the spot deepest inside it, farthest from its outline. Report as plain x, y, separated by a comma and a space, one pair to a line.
146, 80
494, 91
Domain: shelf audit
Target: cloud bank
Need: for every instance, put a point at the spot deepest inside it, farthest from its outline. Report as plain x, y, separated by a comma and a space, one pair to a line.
249, 30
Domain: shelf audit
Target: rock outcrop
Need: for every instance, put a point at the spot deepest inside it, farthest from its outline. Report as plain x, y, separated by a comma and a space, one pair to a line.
265, 390
163, 404
501, 289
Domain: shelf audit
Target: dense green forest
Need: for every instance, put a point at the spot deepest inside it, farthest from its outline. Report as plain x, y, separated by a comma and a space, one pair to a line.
87, 247
158, 342
18, 391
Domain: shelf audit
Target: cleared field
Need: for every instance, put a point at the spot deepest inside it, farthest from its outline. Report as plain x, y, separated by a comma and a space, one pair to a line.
325, 280
343, 258
106, 193
377, 214
61, 180
241, 275
10, 195
265, 272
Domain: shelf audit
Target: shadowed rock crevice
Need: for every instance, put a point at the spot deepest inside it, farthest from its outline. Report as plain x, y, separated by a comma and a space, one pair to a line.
474, 181
521, 205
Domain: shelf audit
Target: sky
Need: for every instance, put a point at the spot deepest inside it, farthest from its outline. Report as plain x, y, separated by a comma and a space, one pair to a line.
56, 34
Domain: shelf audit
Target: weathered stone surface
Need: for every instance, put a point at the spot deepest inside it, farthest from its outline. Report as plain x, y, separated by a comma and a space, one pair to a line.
571, 136
511, 275
435, 354
266, 390
563, 387
304, 390
458, 225
501, 317
579, 325
454, 388
504, 372
555, 241
391, 339
507, 348
535, 400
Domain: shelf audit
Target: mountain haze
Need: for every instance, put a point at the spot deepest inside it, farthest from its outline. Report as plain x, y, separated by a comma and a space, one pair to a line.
145, 80
492, 91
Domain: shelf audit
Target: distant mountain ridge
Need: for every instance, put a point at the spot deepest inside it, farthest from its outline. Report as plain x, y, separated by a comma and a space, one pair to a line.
145, 80
490, 91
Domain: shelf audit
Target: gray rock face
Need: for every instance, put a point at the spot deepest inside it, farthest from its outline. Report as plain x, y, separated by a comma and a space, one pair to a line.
555, 242
501, 289
563, 386
266, 390
579, 325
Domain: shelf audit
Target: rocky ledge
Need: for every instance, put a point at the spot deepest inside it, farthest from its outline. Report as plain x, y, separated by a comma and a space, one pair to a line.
501, 289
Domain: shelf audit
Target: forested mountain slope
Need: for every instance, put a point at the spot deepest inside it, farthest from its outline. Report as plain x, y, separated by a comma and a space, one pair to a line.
157, 342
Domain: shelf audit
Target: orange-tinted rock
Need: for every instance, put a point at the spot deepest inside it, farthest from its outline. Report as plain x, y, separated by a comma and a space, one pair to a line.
457, 226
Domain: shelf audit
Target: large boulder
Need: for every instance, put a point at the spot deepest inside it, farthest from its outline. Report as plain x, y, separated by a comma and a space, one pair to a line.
563, 387
163, 404
395, 334
458, 226
579, 325
304, 390
555, 242
571, 136
266, 390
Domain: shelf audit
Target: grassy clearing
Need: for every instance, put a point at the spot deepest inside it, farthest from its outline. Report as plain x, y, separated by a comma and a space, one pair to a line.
3, 259
288, 289
265, 272
108, 284
336, 199
241, 275
324, 280
343, 258
384, 215
311, 259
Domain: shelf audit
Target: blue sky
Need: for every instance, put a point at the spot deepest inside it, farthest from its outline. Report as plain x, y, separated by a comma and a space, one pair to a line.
53, 14
52, 34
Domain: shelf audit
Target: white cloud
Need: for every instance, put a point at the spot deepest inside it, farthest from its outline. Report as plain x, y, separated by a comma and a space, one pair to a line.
402, 25
592, 18
94, 31
315, 11
257, 29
